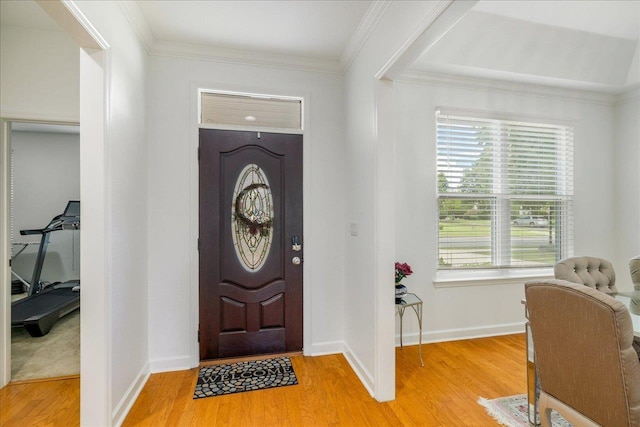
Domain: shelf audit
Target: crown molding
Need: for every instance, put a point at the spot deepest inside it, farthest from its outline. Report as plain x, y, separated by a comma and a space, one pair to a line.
506, 87
210, 53
138, 22
362, 33
631, 94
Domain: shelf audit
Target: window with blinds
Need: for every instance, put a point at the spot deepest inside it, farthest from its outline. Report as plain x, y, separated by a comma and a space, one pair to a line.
254, 111
505, 192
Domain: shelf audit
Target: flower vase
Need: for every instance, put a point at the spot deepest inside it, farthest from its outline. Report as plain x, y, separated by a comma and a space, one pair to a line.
401, 291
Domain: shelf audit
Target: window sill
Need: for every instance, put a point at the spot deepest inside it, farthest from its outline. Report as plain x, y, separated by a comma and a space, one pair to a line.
446, 279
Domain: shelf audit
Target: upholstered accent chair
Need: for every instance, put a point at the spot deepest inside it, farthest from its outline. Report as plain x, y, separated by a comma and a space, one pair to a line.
593, 272
634, 269
588, 371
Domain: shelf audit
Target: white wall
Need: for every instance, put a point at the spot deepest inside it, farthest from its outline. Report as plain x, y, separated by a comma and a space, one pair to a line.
369, 294
39, 73
46, 175
125, 198
38, 81
173, 186
493, 307
627, 183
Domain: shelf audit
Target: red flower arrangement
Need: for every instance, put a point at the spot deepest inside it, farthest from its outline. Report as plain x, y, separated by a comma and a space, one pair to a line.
402, 270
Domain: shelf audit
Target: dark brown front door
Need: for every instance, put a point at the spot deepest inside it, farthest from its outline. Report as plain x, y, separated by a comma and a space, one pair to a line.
250, 234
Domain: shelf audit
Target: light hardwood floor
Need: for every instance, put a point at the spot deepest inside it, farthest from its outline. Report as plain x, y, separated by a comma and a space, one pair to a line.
442, 393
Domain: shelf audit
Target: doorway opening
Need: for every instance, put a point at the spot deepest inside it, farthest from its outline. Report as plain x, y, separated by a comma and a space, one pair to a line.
45, 250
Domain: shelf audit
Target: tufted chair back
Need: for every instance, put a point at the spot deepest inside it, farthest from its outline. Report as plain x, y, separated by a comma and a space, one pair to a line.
594, 272
634, 269
586, 365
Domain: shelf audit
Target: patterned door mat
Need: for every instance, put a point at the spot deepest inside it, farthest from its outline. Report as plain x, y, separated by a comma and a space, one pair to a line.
244, 376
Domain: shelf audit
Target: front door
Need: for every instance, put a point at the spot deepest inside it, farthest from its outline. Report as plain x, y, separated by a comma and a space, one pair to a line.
250, 243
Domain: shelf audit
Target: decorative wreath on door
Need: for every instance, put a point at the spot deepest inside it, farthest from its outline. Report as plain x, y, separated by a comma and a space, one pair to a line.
254, 218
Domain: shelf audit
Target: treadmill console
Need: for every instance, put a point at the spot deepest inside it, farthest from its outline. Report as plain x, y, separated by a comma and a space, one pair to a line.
72, 209
71, 216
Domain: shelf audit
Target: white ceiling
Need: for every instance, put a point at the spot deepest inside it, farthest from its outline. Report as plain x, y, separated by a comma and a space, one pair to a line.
580, 44
588, 45
609, 18
317, 29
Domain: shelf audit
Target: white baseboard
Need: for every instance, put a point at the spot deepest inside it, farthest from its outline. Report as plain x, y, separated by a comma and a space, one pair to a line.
171, 364
337, 347
365, 377
462, 334
325, 348
122, 408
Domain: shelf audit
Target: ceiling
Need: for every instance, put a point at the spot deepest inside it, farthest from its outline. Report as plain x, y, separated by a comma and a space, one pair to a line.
589, 45
609, 18
317, 29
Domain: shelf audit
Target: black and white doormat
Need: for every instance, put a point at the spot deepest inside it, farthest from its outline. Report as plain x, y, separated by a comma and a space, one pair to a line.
244, 376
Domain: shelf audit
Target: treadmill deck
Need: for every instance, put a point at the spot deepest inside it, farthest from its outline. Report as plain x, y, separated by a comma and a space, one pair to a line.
39, 312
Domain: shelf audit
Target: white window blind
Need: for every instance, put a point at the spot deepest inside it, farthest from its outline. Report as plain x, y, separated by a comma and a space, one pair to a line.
250, 111
505, 192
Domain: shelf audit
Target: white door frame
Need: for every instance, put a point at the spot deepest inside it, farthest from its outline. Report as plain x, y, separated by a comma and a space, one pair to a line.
5, 252
95, 356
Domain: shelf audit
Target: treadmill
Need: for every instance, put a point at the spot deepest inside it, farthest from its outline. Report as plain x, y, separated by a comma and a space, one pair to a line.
45, 304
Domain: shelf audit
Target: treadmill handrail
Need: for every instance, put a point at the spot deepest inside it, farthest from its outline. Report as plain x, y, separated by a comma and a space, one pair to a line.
28, 232
59, 222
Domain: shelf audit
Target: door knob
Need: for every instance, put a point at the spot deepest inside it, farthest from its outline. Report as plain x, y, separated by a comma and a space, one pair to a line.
296, 260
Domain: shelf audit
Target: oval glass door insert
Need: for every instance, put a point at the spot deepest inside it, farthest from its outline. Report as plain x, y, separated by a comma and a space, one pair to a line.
252, 218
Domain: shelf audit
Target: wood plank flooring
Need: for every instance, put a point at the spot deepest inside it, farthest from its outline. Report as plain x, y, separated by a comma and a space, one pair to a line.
442, 393
49, 403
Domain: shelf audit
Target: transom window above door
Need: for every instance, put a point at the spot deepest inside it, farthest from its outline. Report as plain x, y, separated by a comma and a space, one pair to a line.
250, 111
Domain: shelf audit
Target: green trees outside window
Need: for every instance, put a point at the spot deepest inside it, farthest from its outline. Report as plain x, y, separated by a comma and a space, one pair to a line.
505, 192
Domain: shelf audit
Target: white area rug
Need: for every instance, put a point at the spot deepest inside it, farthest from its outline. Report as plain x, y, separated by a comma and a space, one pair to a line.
512, 411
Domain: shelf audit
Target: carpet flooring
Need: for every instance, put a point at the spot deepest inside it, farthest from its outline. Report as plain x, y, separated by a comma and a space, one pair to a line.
237, 377
56, 354
512, 411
